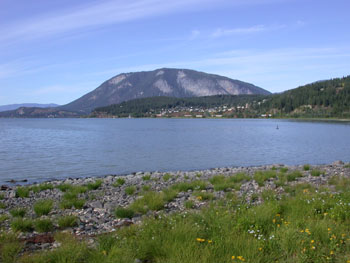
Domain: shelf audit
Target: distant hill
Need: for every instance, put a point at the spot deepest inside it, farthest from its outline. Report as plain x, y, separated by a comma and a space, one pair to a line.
17, 106
33, 112
161, 82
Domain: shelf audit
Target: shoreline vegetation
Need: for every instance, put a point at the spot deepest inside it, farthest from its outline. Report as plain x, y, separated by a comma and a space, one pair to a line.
239, 214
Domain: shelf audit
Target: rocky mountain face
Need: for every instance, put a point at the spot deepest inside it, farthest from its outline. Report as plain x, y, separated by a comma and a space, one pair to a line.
161, 82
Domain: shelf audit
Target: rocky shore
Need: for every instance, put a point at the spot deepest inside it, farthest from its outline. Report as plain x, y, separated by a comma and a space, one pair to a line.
99, 197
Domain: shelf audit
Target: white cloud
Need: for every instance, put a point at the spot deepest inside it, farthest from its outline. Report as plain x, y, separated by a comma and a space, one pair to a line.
244, 30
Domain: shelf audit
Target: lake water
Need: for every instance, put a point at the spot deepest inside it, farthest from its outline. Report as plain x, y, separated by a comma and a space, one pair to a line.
41, 149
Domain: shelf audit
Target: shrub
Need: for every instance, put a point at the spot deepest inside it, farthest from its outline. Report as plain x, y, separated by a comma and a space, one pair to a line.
22, 192
95, 185
130, 190
306, 167
121, 212
43, 207
146, 177
189, 204
67, 221
18, 212
43, 225
119, 182
22, 225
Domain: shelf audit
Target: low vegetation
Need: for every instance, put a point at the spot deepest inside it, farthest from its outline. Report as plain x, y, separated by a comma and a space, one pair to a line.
67, 221
43, 225
43, 207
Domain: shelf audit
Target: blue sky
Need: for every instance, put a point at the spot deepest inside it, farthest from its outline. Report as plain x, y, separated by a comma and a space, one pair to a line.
56, 51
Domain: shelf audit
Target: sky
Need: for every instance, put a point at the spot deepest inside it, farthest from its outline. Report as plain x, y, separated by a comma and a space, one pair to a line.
56, 51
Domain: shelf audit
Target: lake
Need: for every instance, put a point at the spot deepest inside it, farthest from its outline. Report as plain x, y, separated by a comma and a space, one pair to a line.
42, 149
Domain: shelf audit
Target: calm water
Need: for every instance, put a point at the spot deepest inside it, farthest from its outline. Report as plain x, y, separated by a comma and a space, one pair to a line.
40, 149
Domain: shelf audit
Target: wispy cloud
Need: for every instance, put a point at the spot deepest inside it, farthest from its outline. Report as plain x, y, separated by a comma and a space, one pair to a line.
101, 13
220, 32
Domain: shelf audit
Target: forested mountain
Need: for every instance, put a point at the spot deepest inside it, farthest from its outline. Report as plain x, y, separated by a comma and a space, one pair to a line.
329, 98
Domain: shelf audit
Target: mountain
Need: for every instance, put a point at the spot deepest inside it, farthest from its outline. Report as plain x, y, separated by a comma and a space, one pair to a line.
161, 82
17, 106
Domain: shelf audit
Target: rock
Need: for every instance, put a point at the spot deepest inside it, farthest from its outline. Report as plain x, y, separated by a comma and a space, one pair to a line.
96, 204
124, 222
339, 162
4, 187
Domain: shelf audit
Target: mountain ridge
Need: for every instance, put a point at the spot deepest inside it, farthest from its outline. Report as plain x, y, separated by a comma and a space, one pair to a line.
30, 105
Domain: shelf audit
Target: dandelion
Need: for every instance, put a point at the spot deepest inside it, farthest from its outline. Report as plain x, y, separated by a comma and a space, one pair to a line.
210, 241
260, 248
332, 252
273, 220
312, 241
200, 240
233, 257
313, 247
199, 197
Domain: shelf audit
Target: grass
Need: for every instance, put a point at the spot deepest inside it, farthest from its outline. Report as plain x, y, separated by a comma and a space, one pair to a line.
2, 205
121, 212
294, 175
283, 169
203, 196
95, 185
194, 185
2, 196
347, 165
306, 167
130, 190
262, 176
43, 207
64, 187
189, 204
316, 172
146, 177
3, 218
149, 201
22, 225
18, 212
146, 188
43, 225
119, 182
225, 183
22, 192
70, 198
308, 227
166, 177
10, 248
67, 221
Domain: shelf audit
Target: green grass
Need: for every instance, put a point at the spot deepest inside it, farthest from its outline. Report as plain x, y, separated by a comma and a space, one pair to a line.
283, 169
22, 225
203, 195
95, 185
225, 183
316, 172
2, 205
293, 176
347, 165
198, 175
43, 225
67, 221
166, 177
22, 192
130, 190
45, 186
64, 187
2, 196
149, 201
146, 177
3, 218
189, 204
146, 188
43, 207
18, 212
121, 212
194, 185
119, 182
306, 167
262, 176
10, 248
281, 180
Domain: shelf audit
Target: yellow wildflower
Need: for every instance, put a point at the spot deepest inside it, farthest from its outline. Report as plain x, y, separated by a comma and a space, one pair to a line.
233, 257
199, 197
313, 247
260, 248
209, 241
332, 252
273, 220
200, 239
312, 241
